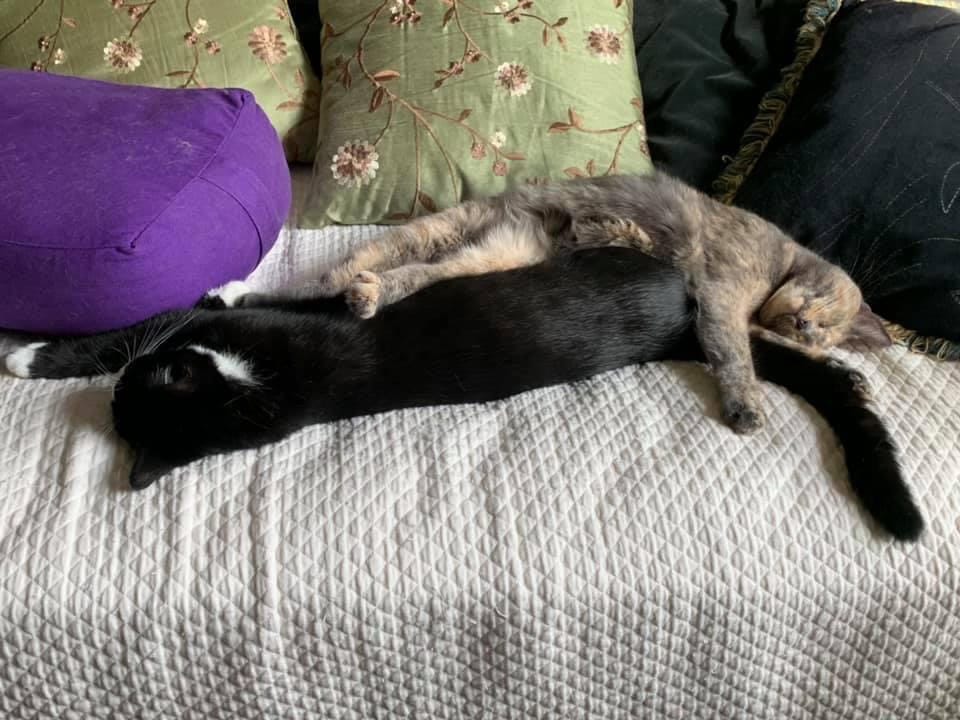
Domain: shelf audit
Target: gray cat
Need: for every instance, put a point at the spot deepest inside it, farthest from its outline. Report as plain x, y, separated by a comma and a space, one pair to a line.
739, 268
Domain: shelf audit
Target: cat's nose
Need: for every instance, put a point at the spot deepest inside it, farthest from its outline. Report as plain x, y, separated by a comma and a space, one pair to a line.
801, 323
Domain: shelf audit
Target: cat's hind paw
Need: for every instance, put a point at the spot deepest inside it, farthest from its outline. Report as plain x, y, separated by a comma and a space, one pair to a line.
856, 379
225, 296
743, 418
363, 295
20, 362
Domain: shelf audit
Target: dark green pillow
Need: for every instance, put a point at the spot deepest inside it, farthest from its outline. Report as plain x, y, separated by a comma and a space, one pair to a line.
704, 67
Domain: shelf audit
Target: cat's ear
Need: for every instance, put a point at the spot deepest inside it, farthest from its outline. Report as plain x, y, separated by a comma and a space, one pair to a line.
867, 331
147, 469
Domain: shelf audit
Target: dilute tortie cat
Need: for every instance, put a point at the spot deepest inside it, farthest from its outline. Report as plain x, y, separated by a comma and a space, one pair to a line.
738, 267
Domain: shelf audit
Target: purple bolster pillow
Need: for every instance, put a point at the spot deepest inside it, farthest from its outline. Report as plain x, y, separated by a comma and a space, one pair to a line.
118, 202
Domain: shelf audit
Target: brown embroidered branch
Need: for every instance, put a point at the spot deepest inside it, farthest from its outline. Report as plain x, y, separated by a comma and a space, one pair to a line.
472, 52
576, 124
192, 39
50, 43
513, 14
420, 115
137, 12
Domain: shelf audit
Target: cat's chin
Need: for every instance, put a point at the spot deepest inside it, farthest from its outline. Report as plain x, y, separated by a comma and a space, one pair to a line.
147, 469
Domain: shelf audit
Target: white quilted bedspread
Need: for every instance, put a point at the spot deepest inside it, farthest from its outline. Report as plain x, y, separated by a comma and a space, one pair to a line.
602, 550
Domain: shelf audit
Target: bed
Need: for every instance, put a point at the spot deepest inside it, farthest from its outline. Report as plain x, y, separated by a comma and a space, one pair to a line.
599, 550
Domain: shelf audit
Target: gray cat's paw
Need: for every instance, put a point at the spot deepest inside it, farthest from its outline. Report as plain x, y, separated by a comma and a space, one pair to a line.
20, 362
363, 295
860, 385
743, 418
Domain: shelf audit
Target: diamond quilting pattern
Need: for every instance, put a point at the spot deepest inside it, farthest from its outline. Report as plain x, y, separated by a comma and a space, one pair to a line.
601, 550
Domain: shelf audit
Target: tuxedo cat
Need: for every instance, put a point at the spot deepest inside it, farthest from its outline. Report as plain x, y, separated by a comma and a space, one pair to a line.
736, 265
208, 381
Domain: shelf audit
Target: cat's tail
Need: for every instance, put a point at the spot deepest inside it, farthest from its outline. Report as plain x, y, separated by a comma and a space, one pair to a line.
839, 394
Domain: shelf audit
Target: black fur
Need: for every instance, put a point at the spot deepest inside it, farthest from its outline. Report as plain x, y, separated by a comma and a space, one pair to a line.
467, 340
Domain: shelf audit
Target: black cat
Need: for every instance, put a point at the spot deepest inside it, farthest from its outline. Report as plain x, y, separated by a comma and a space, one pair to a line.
213, 380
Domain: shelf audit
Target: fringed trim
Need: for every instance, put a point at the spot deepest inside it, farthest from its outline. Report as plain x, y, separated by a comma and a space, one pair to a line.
934, 347
773, 107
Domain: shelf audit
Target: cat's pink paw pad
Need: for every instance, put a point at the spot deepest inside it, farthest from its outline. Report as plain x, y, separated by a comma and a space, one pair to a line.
363, 295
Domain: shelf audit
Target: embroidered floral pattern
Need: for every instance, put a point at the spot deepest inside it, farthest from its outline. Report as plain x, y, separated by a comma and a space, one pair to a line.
403, 12
267, 45
514, 78
355, 164
133, 39
432, 143
122, 56
576, 124
605, 44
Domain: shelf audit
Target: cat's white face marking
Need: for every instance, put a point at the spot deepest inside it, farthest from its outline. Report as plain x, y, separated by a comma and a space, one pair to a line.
230, 366
19, 361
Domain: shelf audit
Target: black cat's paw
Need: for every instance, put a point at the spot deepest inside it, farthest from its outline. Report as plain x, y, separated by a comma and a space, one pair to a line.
21, 362
226, 296
742, 418
363, 295
854, 379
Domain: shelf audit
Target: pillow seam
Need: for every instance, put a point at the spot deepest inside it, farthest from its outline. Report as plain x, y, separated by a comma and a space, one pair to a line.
132, 244
243, 207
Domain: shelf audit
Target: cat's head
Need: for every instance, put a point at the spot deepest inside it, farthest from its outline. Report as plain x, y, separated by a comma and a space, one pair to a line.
820, 306
176, 406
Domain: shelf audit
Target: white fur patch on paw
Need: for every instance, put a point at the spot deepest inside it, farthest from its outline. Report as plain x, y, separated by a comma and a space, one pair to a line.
230, 293
363, 295
19, 361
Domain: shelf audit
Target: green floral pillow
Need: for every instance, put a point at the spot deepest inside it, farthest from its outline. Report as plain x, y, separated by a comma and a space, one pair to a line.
249, 44
429, 102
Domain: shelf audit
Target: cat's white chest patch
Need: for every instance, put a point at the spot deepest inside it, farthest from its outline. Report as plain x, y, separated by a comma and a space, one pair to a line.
229, 365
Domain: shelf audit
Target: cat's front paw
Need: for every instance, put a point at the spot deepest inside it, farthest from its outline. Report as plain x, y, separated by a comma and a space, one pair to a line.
363, 295
20, 362
743, 418
225, 296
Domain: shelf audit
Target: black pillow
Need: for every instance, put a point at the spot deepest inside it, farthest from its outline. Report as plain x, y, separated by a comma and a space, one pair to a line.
306, 17
704, 66
865, 166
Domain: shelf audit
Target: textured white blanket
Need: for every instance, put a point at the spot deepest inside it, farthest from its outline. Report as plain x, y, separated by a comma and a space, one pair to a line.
595, 551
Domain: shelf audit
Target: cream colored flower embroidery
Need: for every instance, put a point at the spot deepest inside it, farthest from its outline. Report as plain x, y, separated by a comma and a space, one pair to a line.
200, 26
498, 139
355, 164
123, 56
267, 44
59, 56
513, 78
403, 12
501, 7
605, 44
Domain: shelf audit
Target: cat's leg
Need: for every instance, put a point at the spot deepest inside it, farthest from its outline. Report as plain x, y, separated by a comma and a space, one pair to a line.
610, 232
101, 354
425, 239
723, 331
505, 247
